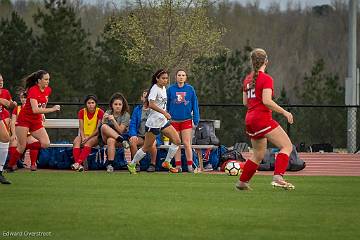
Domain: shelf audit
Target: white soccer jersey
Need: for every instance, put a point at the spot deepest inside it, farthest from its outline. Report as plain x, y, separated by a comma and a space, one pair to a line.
156, 119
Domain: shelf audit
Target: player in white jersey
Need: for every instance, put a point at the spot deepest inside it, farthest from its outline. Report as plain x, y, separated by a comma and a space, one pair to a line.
157, 122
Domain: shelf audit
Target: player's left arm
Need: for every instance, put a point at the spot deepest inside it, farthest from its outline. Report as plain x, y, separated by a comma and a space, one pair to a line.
268, 102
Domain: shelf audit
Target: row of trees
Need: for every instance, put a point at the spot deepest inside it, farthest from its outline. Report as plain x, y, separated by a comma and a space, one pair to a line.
206, 39
131, 46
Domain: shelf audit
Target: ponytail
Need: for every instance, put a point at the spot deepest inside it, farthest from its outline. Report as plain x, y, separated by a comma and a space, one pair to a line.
154, 78
34, 78
258, 58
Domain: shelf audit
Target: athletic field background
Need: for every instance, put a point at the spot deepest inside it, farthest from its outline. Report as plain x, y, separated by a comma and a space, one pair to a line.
97, 205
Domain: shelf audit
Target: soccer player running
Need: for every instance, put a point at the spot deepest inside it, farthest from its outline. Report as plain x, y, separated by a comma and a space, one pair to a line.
89, 119
157, 122
258, 90
184, 110
5, 101
30, 118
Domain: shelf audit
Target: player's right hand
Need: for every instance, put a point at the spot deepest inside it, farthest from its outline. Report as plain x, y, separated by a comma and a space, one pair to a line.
111, 118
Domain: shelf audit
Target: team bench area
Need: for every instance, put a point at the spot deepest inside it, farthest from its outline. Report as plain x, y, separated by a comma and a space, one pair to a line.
74, 124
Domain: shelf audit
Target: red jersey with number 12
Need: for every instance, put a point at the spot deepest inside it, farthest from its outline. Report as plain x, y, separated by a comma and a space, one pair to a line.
254, 95
34, 92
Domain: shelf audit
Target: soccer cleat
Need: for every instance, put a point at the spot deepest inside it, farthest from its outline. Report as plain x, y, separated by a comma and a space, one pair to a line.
33, 168
132, 168
151, 168
109, 168
242, 186
80, 168
190, 169
282, 184
167, 165
75, 166
3, 180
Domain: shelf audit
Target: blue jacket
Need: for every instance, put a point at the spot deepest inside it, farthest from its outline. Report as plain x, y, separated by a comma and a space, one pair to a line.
135, 124
135, 121
182, 103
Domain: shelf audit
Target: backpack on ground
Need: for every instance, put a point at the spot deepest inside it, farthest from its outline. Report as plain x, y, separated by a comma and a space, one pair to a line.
241, 147
268, 163
326, 147
232, 153
205, 133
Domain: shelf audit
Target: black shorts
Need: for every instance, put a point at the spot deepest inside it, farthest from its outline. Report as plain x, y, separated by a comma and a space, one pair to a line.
157, 131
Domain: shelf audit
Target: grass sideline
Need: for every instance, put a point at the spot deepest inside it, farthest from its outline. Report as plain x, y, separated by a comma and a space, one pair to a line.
97, 205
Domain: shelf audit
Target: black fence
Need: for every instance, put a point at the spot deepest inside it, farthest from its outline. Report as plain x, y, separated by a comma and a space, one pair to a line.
313, 124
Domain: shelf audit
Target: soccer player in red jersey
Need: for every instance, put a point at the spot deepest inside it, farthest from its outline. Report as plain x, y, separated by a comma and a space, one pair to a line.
89, 120
5, 101
34, 153
30, 118
258, 91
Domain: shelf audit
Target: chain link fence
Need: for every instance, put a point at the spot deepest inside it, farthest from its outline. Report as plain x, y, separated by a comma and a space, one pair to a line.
312, 124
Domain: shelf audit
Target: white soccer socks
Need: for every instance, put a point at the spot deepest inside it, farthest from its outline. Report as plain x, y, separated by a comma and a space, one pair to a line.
4, 149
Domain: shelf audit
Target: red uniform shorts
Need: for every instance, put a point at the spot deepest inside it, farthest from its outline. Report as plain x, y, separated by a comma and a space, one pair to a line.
32, 125
257, 127
182, 125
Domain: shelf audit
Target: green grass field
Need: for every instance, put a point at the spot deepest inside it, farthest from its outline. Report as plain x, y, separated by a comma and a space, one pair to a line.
97, 205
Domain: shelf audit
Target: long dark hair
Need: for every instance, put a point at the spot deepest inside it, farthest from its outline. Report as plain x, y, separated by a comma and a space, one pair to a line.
154, 78
34, 78
119, 96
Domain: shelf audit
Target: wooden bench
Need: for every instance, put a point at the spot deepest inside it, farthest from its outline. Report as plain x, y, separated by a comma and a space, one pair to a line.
74, 124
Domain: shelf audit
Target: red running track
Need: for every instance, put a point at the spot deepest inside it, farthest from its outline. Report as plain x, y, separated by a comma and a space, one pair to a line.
325, 164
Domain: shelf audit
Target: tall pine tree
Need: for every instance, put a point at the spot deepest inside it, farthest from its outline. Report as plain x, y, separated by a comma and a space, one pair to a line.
64, 50
17, 48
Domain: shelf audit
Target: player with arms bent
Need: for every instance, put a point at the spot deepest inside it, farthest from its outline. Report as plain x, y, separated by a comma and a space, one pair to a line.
30, 118
258, 91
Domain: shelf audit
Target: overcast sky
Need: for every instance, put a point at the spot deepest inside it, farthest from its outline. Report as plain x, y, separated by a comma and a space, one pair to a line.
283, 3
263, 3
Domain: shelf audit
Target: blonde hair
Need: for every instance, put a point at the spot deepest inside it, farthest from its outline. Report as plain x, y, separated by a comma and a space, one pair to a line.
258, 57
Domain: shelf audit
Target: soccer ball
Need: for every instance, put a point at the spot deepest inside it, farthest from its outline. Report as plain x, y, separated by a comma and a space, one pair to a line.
232, 168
